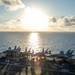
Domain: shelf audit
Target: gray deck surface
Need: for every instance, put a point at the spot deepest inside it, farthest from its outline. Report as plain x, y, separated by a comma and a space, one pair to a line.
6, 69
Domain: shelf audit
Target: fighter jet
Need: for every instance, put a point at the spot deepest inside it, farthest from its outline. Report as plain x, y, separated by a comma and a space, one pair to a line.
69, 54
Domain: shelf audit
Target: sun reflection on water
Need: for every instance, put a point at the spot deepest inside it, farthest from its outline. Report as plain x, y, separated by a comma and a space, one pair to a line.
34, 41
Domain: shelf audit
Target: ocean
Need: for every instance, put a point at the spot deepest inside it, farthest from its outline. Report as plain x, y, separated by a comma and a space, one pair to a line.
55, 41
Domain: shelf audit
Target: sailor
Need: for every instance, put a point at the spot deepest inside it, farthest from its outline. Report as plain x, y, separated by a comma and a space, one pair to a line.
26, 62
9, 48
41, 61
32, 66
49, 52
45, 63
25, 49
46, 52
15, 47
43, 50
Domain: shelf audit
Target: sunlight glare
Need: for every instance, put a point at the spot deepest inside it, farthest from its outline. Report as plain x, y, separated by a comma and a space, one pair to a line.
35, 19
34, 41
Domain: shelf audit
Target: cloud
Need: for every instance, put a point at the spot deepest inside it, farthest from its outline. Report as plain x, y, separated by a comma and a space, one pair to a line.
12, 25
65, 23
53, 19
12, 4
72, 19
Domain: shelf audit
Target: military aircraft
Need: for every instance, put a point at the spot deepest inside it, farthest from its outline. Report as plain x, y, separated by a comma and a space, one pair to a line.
68, 54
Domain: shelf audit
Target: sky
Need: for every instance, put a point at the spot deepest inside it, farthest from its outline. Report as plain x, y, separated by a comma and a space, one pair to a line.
37, 15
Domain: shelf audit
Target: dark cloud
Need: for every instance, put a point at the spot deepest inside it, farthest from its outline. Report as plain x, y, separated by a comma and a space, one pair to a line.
13, 4
72, 19
62, 21
53, 19
65, 20
69, 21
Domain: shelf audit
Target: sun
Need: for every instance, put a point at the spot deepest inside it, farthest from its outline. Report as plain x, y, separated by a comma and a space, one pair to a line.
35, 19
